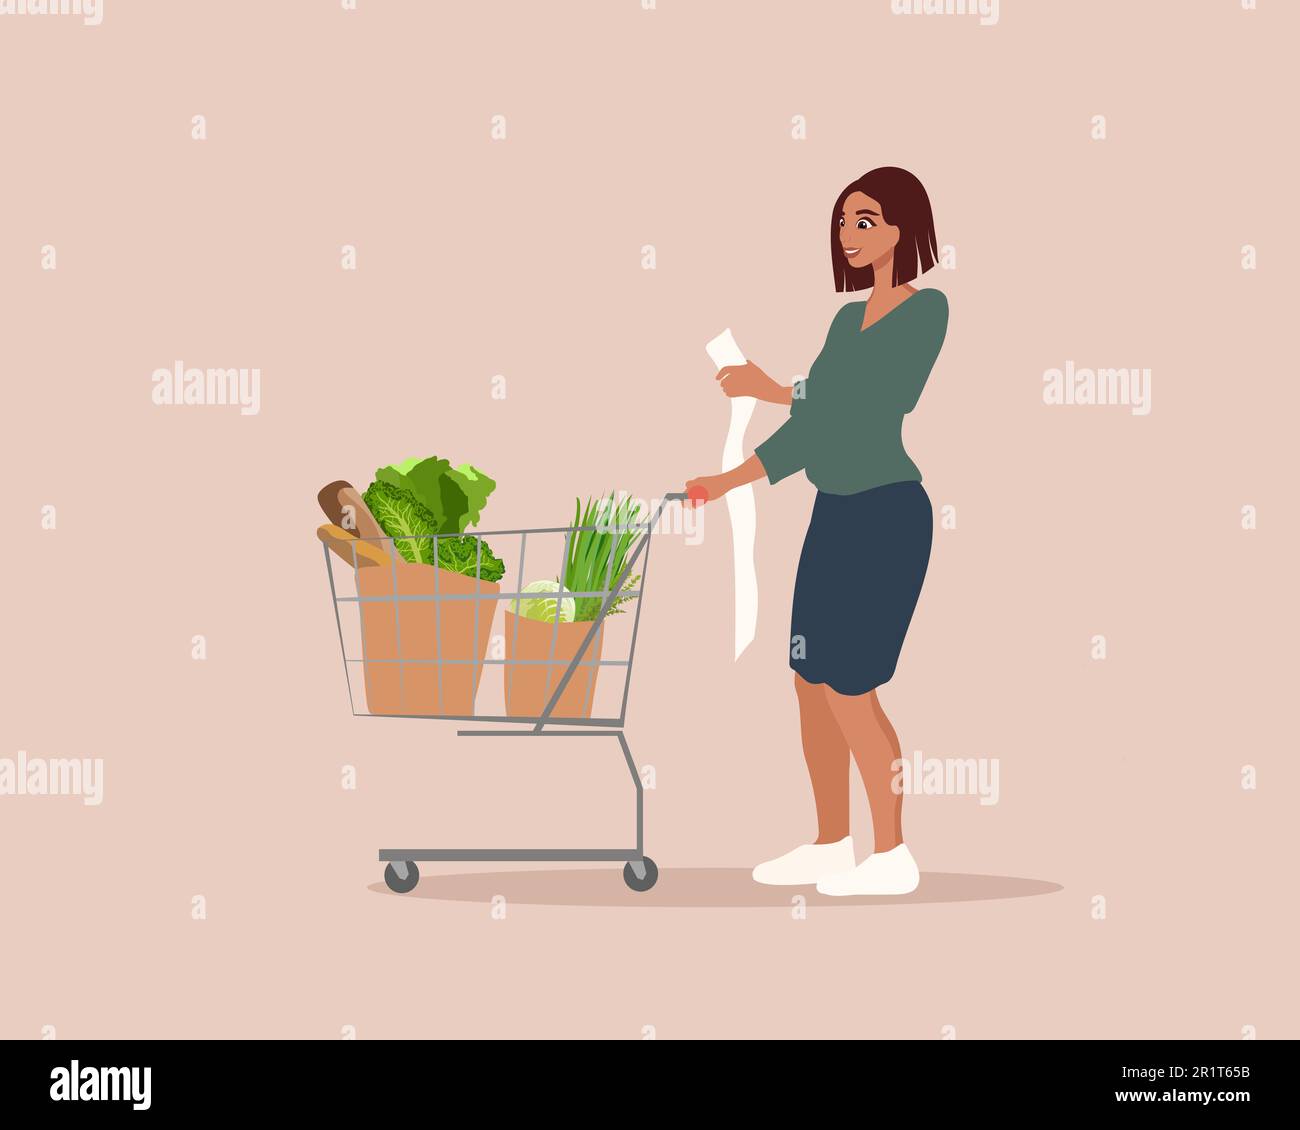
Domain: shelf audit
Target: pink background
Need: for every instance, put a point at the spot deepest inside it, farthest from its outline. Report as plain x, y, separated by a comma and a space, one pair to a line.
672, 127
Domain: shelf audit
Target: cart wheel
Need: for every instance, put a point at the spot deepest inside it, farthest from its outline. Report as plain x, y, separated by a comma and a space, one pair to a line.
648, 877
401, 876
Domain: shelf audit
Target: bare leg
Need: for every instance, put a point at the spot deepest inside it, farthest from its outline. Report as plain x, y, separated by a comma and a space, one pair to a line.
827, 754
875, 747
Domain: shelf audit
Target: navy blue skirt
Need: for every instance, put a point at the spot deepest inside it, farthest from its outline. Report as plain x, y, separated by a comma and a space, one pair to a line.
860, 573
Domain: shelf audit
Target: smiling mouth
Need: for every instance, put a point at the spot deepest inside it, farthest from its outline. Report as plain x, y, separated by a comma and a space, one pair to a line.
851, 251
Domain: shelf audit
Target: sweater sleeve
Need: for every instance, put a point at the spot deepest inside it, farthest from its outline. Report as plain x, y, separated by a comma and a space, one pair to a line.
784, 451
916, 371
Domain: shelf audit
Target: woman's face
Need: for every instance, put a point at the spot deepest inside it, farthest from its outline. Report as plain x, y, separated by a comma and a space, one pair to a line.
864, 236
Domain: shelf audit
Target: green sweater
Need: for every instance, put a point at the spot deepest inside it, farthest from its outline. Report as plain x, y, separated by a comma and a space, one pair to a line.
845, 431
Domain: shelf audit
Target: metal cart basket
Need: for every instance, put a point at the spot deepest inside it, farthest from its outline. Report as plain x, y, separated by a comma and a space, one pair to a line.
423, 635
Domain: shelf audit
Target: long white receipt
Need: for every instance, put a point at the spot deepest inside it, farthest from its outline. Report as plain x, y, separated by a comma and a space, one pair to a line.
723, 351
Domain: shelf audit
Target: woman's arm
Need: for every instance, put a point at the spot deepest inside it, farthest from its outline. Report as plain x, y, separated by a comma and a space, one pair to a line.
783, 453
784, 445
715, 486
749, 380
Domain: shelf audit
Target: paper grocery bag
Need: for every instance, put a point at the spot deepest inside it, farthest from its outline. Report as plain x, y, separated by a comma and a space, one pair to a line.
441, 643
548, 648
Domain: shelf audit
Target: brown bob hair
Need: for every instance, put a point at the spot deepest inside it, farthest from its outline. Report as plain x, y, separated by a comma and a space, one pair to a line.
904, 205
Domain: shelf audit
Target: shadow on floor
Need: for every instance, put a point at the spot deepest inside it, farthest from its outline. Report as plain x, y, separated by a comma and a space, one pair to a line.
694, 886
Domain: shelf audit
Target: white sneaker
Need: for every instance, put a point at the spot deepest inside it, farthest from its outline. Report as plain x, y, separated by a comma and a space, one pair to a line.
806, 864
892, 872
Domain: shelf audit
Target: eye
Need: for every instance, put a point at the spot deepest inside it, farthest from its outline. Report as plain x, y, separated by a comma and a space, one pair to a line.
865, 223
841, 221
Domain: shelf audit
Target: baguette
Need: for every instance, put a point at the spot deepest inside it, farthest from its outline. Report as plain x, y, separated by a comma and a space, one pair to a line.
346, 544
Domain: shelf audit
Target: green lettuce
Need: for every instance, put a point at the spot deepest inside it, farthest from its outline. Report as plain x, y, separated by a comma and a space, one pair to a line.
475, 486
455, 496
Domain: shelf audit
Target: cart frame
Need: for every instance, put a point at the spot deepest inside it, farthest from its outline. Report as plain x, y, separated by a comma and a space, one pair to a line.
640, 871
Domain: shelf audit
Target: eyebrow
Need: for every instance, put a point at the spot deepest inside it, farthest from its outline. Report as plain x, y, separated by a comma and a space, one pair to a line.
865, 212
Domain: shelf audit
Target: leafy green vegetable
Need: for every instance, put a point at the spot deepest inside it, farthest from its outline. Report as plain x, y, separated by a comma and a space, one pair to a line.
548, 608
454, 496
475, 486
459, 554
597, 556
402, 516
614, 608
422, 478
411, 525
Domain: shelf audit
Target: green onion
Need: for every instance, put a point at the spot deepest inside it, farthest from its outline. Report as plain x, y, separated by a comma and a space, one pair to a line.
589, 568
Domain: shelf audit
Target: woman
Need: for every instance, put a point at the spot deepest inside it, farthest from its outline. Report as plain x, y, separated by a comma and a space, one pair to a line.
868, 543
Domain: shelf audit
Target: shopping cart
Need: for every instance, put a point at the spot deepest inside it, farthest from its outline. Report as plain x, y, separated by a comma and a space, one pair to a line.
424, 636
